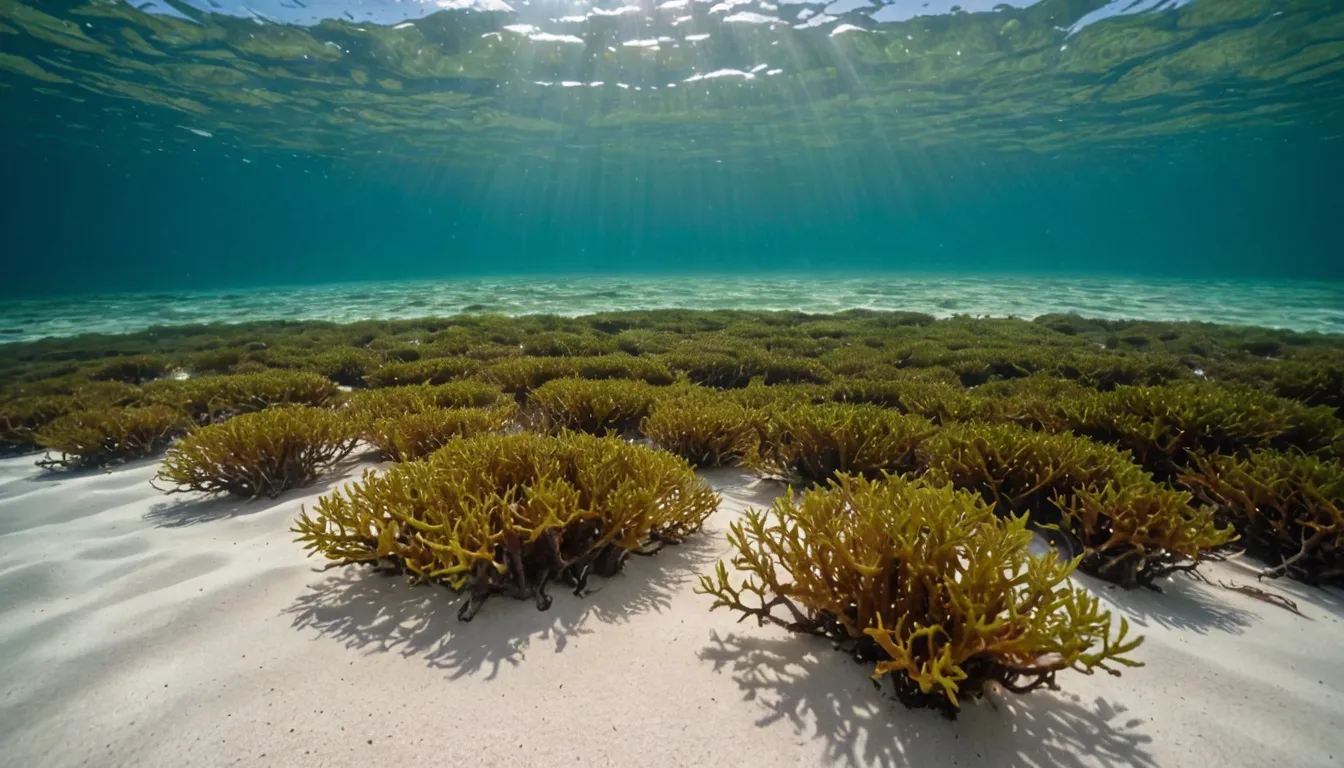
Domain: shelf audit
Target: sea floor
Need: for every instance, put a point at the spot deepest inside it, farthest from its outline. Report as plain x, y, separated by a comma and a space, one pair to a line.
144, 630
1301, 306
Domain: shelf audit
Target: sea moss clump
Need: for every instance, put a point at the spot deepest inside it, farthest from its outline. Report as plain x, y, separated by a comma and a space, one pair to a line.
704, 430
595, 407
96, 437
213, 398
370, 405
1166, 427
507, 514
519, 376
814, 442
1289, 509
923, 580
1128, 528
417, 434
21, 418
433, 371
941, 403
135, 369
259, 454
622, 367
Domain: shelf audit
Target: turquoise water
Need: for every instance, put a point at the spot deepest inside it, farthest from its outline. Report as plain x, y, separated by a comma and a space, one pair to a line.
1294, 305
190, 161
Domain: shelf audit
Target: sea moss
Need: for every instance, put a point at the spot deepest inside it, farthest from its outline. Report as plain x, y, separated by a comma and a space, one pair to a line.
259, 454
813, 443
1128, 528
417, 434
519, 376
704, 430
345, 366
941, 403
212, 398
944, 596
1289, 509
136, 369
1166, 427
433, 371
595, 407
89, 438
369, 405
21, 418
508, 514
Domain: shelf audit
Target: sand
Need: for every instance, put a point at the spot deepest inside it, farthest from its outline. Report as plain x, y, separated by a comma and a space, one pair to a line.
141, 630
1295, 305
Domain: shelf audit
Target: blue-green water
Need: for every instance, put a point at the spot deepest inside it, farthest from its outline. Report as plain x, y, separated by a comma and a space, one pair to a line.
1156, 159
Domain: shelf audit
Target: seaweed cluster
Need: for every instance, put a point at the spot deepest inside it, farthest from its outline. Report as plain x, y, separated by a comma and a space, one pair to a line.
508, 514
929, 450
89, 438
923, 580
259, 454
1289, 508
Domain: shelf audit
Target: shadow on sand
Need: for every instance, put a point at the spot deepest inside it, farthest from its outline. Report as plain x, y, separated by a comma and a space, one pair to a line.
194, 508
825, 695
1184, 603
376, 613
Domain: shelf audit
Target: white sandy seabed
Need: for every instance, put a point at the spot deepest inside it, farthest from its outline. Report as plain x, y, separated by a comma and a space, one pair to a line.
138, 629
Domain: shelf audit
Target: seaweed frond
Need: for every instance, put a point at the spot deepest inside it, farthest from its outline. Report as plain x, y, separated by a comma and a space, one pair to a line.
923, 580
417, 434
507, 514
706, 431
91, 438
595, 407
1289, 509
259, 454
815, 442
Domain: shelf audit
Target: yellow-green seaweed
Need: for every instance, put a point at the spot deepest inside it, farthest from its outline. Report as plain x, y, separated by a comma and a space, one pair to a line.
924, 579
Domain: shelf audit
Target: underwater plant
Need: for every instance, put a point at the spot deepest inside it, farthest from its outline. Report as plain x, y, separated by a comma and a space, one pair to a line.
259, 454
922, 579
367, 406
346, 366
507, 514
813, 443
1107, 371
92, 438
1165, 427
214, 361
1034, 401
1134, 534
704, 430
212, 398
1312, 381
1129, 529
595, 407
941, 403
22, 417
1289, 509
520, 375
1020, 470
437, 370
134, 369
619, 366
730, 366
565, 344
417, 434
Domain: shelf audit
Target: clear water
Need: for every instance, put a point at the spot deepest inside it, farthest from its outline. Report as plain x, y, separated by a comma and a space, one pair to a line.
206, 159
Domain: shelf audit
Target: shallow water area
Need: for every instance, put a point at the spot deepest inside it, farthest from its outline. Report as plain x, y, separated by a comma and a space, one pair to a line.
122, 646
1299, 306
